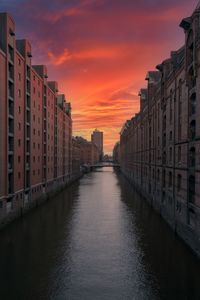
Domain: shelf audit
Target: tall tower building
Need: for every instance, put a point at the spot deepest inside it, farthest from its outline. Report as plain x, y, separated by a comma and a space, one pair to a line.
97, 138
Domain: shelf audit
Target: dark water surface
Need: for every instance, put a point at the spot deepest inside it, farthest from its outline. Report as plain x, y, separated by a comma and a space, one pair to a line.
96, 240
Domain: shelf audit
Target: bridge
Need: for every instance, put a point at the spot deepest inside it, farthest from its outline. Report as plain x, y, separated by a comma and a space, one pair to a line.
106, 164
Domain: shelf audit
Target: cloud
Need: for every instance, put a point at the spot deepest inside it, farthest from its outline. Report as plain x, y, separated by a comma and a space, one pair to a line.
99, 51
59, 59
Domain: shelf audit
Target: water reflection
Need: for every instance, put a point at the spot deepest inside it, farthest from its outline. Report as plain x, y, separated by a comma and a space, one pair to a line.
96, 240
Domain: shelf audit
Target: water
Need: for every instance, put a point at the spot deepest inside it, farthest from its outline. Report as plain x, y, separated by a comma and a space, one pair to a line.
98, 240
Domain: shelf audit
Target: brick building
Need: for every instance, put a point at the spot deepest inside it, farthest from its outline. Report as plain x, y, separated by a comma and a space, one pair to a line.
116, 153
35, 128
89, 152
76, 158
97, 139
160, 146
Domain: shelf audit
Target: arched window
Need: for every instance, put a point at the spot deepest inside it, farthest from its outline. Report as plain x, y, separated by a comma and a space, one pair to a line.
193, 104
164, 157
164, 178
179, 181
193, 129
179, 154
170, 154
192, 157
170, 179
192, 189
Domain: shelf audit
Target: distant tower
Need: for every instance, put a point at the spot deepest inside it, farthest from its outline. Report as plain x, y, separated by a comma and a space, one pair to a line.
97, 138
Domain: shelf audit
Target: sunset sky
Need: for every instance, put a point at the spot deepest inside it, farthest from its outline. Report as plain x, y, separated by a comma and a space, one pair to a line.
99, 51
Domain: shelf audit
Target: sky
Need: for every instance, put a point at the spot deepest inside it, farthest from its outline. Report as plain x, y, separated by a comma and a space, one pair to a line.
99, 51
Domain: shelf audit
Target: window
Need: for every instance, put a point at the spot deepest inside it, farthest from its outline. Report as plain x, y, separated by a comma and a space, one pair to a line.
19, 93
19, 175
164, 179
19, 62
192, 158
193, 130
19, 76
170, 154
179, 154
170, 179
19, 159
19, 142
170, 136
179, 180
19, 109
192, 189
193, 104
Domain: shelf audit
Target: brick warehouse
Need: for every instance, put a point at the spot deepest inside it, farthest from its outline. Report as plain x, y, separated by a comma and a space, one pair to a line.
35, 128
160, 145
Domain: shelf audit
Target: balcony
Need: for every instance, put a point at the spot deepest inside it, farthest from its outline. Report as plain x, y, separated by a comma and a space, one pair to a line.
27, 185
11, 108
28, 87
10, 71
28, 72
10, 167
28, 102
10, 54
10, 184
11, 126
28, 117
11, 90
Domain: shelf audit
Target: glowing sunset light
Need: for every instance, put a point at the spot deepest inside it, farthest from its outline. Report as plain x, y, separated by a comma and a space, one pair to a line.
100, 51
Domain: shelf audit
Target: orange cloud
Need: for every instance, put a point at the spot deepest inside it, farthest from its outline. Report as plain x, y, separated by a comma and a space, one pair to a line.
99, 51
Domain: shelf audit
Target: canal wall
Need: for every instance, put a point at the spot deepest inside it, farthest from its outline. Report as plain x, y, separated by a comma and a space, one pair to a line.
23, 204
170, 214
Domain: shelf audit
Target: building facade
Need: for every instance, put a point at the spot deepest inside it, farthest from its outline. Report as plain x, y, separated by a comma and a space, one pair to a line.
97, 139
160, 146
89, 152
35, 129
116, 153
76, 158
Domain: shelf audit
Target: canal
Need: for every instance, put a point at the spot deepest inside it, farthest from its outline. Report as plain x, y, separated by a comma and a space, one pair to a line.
97, 240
